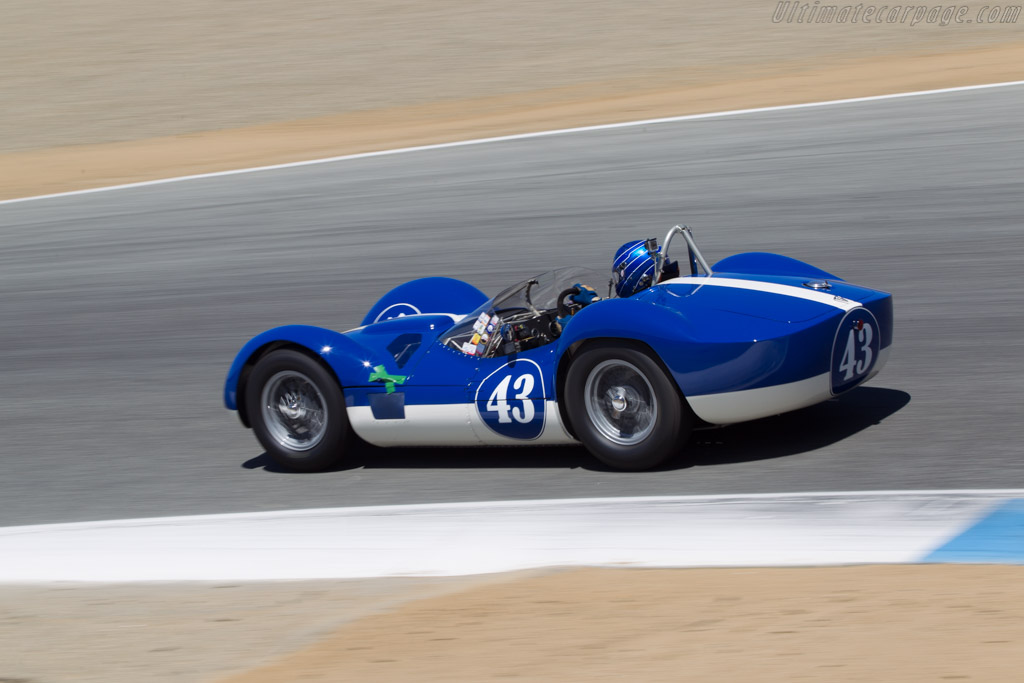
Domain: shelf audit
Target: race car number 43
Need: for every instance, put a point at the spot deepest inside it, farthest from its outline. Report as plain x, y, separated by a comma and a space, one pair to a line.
855, 349
510, 400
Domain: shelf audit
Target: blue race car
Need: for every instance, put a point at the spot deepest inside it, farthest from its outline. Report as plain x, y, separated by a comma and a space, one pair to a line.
550, 361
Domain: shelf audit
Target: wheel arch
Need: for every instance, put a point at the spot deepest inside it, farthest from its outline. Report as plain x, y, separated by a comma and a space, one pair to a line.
579, 346
619, 321
262, 352
346, 359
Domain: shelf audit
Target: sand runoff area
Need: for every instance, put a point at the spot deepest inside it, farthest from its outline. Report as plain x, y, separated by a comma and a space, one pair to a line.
868, 623
110, 91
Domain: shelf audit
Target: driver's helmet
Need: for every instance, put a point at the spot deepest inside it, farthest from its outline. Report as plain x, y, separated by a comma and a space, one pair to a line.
632, 268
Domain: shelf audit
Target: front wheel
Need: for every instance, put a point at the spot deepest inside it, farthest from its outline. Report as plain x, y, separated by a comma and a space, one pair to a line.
624, 408
297, 411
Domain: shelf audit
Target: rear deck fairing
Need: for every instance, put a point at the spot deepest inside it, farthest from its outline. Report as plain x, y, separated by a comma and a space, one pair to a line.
769, 344
742, 347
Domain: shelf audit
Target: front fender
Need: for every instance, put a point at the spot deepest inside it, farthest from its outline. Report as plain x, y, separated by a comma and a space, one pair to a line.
350, 361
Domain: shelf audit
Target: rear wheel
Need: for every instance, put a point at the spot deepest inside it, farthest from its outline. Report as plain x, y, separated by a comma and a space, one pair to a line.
297, 411
624, 408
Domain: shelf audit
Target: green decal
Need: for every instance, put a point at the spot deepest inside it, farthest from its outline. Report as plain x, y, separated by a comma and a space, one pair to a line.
379, 374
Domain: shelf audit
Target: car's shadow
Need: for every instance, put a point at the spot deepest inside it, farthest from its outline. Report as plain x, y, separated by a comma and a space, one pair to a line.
773, 437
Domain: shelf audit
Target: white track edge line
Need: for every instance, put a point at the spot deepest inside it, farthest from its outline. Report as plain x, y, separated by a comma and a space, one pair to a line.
544, 502
518, 136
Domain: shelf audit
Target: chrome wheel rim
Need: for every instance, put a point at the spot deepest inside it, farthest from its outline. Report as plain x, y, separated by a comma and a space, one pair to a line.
294, 410
620, 402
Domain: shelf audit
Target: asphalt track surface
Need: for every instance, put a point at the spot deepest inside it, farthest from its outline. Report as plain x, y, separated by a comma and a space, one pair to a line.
122, 310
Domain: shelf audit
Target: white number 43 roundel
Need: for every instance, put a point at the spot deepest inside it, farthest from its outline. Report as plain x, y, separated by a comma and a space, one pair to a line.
855, 349
498, 400
511, 400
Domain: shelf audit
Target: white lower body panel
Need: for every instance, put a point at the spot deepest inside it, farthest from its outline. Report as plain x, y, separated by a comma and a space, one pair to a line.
456, 424
753, 404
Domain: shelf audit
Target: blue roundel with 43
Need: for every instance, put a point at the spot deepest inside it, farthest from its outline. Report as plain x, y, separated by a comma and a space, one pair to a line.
510, 400
855, 349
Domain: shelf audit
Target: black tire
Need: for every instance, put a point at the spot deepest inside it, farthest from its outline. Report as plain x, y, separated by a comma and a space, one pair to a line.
297, 411
654, 421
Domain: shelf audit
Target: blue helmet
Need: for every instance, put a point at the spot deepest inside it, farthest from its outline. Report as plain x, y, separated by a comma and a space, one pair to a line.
632, 268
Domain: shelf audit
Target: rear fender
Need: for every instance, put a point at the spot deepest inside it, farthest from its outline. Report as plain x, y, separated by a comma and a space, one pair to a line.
658, 328
636, 319
699, 359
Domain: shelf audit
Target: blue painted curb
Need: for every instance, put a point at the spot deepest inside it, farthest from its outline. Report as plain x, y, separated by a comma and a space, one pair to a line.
997, 537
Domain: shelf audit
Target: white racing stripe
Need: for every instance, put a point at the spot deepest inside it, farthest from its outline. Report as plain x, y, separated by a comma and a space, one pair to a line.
770, 288
525, 136
474, 538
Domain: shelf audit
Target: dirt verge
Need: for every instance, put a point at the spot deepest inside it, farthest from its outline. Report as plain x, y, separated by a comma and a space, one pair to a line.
883, 623
114, 91
192, 631
867, 623
96, 165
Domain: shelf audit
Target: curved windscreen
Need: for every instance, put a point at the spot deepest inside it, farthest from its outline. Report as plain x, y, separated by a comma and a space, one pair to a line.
524, 313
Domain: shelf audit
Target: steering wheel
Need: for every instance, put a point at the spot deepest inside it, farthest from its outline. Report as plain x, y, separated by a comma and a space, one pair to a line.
563, 308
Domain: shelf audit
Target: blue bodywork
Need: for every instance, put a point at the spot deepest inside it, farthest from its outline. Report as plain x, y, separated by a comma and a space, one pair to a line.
739, 336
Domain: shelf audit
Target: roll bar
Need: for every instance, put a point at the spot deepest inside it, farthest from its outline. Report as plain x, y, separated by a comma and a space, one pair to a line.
694, 257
